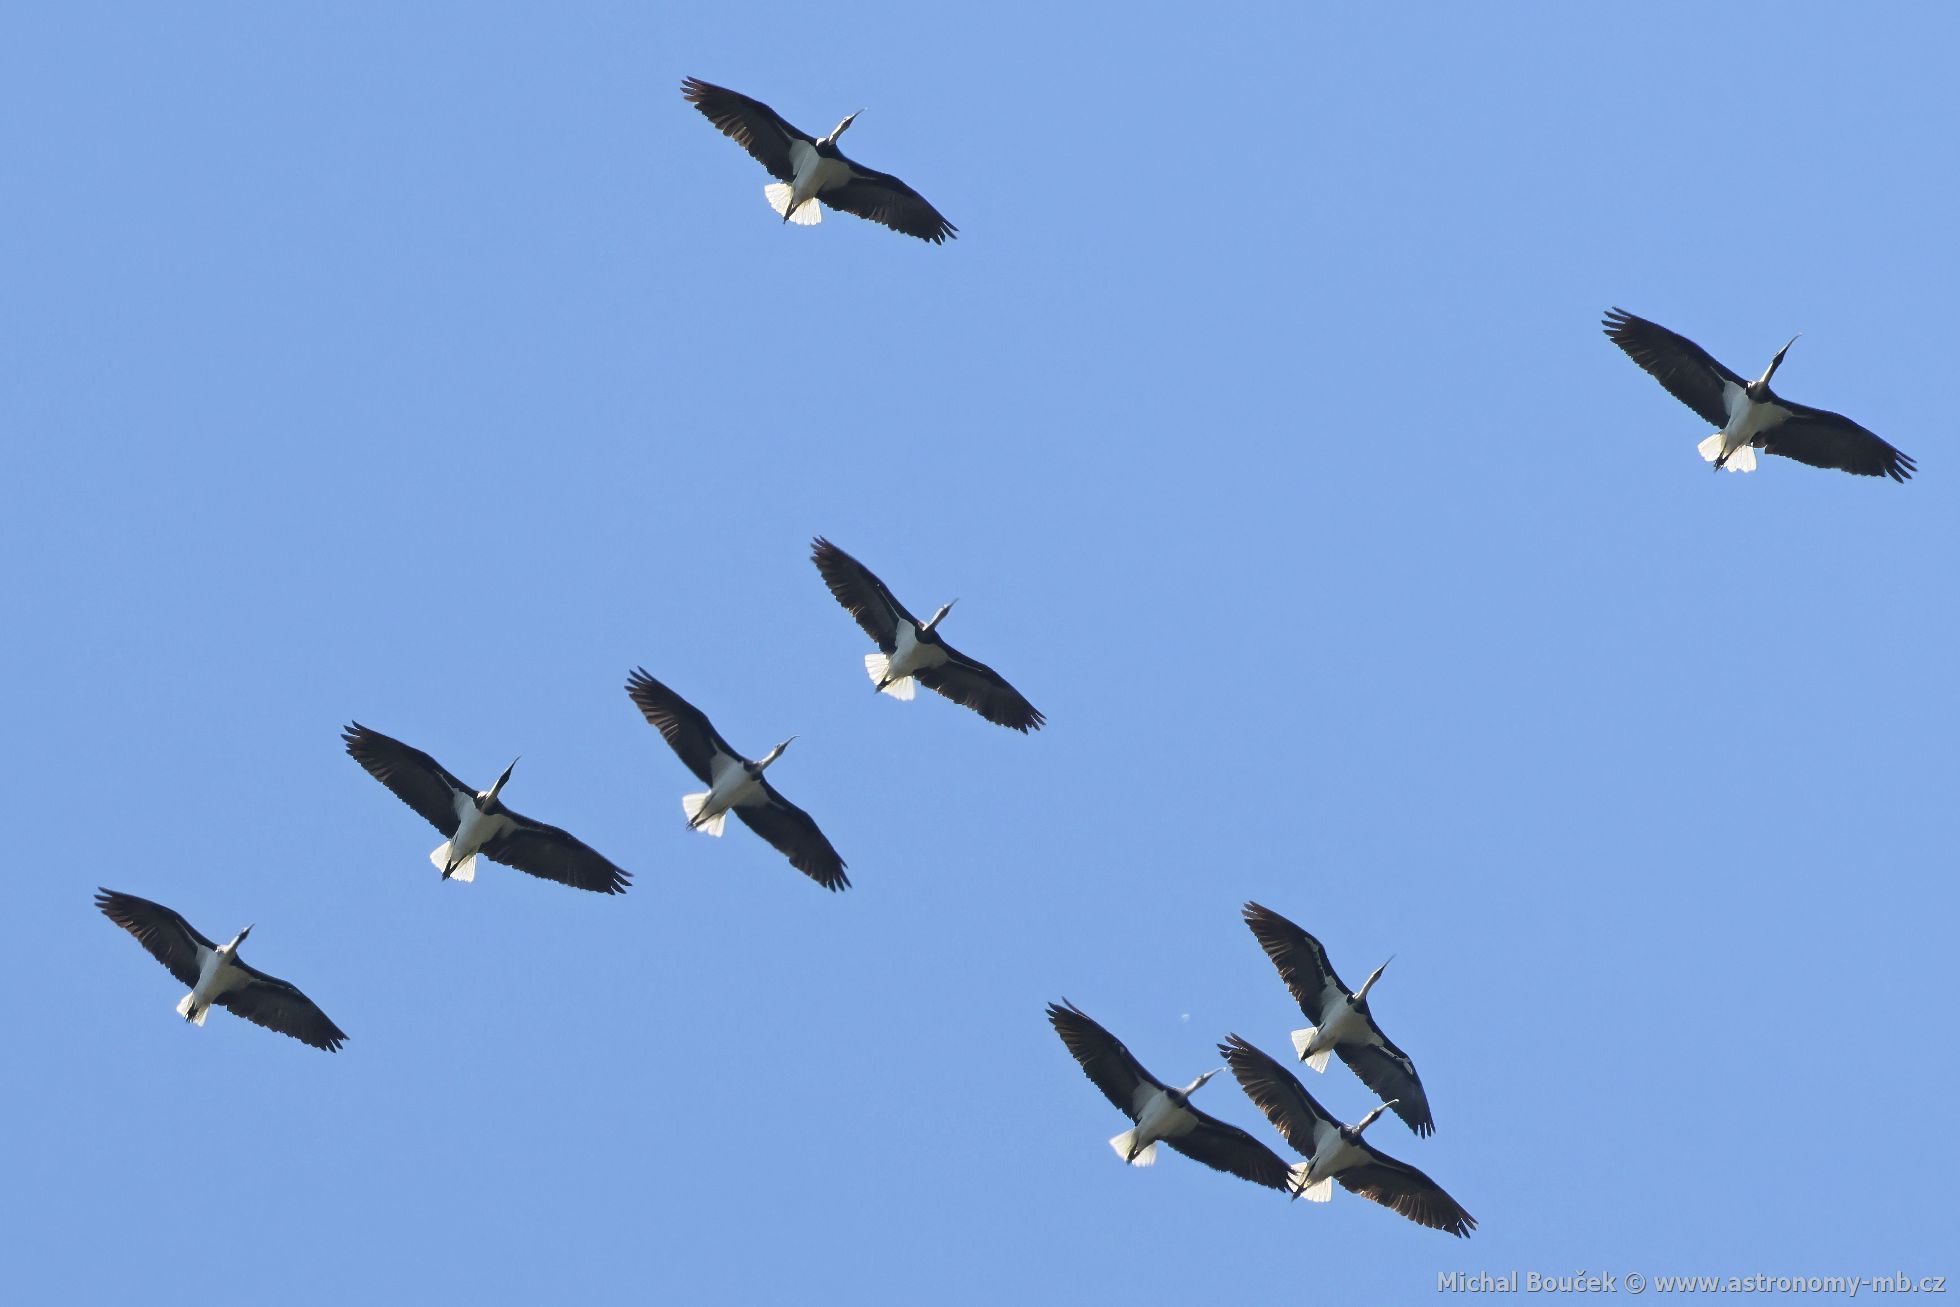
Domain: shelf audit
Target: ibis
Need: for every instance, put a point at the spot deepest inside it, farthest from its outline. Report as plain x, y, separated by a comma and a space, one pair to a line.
913, 651
1343, 1025
735, 784
476, 821
1751, 415
810, 172
1336, 1152
1162, 1113
217, 975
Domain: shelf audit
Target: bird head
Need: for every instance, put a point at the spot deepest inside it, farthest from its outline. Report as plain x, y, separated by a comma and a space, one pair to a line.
1762, 383
1360, 995
774, 753
1369, 1119
939, 616
494, 789
848, 120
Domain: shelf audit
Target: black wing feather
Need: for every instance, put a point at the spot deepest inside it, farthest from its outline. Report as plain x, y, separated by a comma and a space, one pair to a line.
1297, 956
981, 688
1110, 1066
1402, 1188
278, 1005
1831, 440
1275, 1091
1690, 373
751, 124
684, 727
554, 854
163, 933
1227, 1148
1391, 1073
794, 834
417, 779
862, 594
885, 199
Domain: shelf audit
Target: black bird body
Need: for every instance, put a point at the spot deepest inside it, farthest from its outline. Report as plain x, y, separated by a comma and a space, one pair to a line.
735, 784
1337, 1152
1343, 1024
810, 171
217, 975
1162, 1113
912, 650
478, 822
1749, 415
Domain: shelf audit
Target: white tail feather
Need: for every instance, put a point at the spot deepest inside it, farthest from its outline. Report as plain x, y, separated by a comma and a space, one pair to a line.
1742, 460
1124, 1142
691, 804
184, 1010
1313, 1193
808, 214
465, 870
878, 665
1302, 1039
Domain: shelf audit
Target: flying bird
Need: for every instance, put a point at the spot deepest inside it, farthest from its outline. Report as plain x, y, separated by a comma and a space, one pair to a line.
911, 650
810, 172
1343, 1025
735, 784
1337, 1152
216, 974
1749, 414
1162, 1114
477, 822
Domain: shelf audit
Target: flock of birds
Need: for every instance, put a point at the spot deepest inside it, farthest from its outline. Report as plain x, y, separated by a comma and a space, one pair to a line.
812, 173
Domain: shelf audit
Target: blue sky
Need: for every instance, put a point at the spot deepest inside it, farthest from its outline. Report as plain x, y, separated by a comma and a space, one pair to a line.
434, 365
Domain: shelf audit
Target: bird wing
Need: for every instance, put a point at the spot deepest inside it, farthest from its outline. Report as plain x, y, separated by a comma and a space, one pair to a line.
680, 723
1298, 957
417, 779
169, 938
863, 595
982, 689
751, 124
1109, 1066
1229, 1149
794, 834
554, 854
1690, 373
1402, 1188
1388, 1071
273, 1003
885, 199
1272, 1088
1824, 439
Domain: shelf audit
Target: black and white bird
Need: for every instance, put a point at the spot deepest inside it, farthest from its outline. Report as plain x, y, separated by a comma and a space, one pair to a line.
735, 784
911, 650
1162, 1114
810, 172
477, 822
1749, 414
1343, 1025
216, 974
1336, 1152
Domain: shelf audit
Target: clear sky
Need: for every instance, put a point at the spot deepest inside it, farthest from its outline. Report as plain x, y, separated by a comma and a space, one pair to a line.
432, 365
